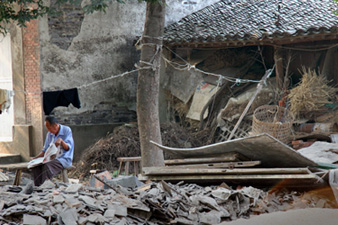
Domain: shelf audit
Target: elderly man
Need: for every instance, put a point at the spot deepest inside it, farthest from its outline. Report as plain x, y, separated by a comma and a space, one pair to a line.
62, 136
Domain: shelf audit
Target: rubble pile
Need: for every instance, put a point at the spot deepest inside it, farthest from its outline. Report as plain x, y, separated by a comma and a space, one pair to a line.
124, 142
152, 203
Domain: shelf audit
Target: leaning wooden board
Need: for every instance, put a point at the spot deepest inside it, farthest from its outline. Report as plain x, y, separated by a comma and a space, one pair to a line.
263, 147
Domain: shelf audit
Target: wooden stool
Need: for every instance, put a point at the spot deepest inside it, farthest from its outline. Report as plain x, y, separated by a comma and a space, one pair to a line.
127, 160
64, 173
19, 167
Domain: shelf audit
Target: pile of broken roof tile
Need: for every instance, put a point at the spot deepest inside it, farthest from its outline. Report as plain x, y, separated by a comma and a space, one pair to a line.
153, 203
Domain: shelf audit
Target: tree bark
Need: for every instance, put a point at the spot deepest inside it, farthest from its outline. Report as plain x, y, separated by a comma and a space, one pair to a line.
148, 85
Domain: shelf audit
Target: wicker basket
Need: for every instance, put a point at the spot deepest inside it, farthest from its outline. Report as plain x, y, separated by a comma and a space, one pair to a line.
274, 120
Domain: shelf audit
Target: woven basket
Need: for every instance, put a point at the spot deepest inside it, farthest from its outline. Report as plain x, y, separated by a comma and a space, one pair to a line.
274, 120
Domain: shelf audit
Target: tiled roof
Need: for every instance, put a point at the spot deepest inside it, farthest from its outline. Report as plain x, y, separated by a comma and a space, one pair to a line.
254, 20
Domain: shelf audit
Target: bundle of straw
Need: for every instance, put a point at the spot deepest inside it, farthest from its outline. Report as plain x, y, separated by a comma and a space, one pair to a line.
312, 93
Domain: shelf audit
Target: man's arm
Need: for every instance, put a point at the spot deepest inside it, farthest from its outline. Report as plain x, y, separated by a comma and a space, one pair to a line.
67, 141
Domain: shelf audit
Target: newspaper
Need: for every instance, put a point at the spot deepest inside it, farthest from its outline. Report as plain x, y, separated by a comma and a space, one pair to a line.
51, 153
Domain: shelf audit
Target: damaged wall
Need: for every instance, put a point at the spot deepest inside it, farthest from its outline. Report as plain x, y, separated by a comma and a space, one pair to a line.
81, 49
102, 47
78, 49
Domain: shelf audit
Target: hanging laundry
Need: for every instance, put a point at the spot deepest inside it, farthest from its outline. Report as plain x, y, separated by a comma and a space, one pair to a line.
5, 99
52, 99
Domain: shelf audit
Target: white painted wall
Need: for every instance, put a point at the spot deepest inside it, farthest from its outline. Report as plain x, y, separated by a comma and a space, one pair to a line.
6, 118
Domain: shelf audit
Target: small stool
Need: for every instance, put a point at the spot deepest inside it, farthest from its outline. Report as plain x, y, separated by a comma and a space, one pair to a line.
127, 160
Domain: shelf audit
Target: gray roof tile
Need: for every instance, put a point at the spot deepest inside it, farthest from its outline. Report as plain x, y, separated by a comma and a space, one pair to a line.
254, 20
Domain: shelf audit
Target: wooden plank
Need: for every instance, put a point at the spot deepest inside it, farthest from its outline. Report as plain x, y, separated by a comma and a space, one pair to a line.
221, 177
220, 165
193, 171
228, 158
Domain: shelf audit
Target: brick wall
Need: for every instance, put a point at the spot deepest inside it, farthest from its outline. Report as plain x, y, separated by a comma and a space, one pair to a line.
32, 80
31, 58
66, 24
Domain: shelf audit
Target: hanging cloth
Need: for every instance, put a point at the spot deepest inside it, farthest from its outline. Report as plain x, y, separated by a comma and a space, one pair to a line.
52, 99
5, 99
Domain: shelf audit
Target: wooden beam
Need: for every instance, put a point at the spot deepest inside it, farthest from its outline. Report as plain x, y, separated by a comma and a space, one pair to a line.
232, 157
220, 177
220, 165
278, 57
267, 41
195, 171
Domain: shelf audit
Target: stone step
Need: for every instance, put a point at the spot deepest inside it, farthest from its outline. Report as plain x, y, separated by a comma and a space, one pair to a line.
6, 158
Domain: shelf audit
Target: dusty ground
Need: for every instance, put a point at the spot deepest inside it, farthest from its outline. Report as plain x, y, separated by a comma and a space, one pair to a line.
312, 216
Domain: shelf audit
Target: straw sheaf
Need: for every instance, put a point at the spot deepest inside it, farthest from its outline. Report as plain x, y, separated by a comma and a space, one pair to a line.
312, 93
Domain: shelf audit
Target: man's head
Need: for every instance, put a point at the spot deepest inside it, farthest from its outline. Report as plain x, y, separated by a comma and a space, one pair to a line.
52, 125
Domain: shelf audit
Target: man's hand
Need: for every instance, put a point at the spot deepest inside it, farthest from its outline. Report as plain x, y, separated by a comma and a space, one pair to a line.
58, 142
63, 144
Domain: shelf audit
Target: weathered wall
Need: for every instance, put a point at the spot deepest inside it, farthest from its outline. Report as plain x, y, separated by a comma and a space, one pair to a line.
77, 50
102, 47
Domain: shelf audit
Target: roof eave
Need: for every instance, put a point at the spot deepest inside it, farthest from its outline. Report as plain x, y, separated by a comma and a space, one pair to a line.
254, 42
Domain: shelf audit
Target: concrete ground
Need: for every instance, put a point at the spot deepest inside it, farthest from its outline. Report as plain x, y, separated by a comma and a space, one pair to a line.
310, 216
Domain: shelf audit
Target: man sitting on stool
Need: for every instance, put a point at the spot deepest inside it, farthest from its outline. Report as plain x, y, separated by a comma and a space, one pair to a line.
62, 136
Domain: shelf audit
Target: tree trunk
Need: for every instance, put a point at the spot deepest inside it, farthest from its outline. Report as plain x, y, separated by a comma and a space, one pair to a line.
148, 85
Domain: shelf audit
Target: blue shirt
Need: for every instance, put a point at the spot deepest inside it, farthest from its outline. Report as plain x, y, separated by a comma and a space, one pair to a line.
65, 133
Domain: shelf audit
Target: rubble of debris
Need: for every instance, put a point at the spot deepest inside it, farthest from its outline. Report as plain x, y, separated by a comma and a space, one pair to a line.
150, 203
255, 137
298, 114
124, 142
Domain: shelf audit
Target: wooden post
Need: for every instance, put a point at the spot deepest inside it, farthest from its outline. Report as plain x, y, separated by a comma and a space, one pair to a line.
126, 168
64, 174
278, 57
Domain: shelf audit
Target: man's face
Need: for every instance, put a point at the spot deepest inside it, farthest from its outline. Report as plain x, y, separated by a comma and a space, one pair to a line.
52, 128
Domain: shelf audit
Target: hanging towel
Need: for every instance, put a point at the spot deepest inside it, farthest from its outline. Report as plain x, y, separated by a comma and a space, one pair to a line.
52, 99
3, 94
5, 99
2, 98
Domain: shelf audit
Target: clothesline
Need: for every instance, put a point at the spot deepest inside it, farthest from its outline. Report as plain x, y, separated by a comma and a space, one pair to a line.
187, 66
85, 85
178, 66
